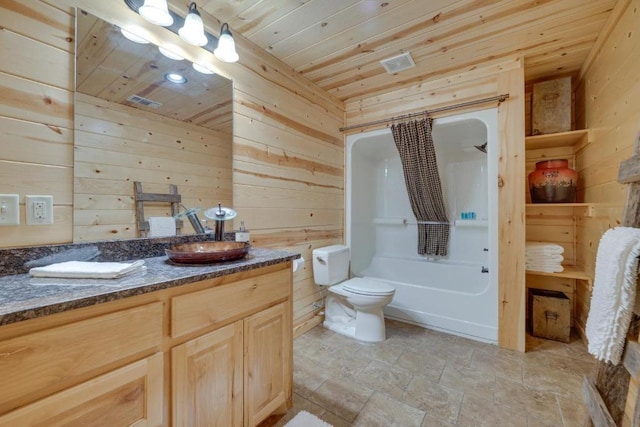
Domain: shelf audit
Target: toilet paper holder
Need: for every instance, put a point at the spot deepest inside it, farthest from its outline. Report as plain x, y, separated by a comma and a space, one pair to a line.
297, 263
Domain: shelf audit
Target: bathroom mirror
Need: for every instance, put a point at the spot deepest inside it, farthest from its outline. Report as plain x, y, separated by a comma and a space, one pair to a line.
140, 116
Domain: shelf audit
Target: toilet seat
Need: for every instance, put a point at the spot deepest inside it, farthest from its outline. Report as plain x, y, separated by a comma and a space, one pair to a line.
361, 286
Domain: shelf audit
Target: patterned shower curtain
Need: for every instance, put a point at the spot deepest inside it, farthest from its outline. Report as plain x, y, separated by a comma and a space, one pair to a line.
417, 153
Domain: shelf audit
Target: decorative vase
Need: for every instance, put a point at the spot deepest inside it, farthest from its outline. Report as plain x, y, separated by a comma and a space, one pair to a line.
553, 182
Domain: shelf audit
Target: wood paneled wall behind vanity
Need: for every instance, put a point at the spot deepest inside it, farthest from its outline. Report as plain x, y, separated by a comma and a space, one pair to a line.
288, 152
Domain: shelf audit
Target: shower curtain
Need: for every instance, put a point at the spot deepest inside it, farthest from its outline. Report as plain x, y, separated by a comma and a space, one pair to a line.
417, 153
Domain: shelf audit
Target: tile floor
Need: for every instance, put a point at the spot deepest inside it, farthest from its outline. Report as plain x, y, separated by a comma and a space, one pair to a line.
423, 378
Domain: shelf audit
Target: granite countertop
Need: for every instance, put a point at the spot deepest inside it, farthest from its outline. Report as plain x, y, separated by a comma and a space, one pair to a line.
23, 297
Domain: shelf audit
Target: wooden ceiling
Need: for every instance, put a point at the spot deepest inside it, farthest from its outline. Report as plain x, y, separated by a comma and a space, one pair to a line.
338, 44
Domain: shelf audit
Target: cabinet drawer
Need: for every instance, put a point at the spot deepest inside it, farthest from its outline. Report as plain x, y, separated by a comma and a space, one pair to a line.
131, 395
209, 307
46, 361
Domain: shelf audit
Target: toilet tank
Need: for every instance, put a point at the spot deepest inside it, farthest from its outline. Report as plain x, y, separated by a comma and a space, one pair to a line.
330, 264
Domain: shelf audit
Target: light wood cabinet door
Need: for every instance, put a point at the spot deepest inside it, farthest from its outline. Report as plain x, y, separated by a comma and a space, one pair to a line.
268, 363
129, 396
207, 379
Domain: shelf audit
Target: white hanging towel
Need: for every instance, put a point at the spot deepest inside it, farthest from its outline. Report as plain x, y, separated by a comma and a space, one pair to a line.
614, 293
162, 226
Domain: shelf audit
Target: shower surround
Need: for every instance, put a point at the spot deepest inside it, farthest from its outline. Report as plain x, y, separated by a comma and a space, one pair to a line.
457, 293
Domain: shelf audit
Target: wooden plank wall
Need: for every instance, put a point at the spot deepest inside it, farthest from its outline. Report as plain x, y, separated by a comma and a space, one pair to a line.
608, 101
36, 115
496, 77
287, 167
116, 145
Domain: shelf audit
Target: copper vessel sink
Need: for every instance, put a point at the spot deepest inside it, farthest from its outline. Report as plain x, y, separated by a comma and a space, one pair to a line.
207, 252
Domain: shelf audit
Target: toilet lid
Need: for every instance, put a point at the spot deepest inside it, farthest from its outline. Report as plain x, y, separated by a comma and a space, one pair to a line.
362, 286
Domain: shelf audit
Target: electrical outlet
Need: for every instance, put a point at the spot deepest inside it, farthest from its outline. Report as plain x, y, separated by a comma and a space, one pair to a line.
39, 209
9, 209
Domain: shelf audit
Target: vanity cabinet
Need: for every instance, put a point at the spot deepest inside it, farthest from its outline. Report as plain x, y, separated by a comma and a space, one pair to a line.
238, 373
131, 395
37, 364
216, 352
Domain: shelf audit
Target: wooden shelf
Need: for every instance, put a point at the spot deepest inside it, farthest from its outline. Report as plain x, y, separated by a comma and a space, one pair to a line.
559, 205
570, 272
589, 208
577, 138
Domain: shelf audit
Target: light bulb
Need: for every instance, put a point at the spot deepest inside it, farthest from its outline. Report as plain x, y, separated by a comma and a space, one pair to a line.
169, 53
192, 31
133, 33
226, 50
156, 12
202, 69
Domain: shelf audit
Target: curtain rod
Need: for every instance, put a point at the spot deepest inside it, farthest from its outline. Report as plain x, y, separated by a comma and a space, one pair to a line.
499, 98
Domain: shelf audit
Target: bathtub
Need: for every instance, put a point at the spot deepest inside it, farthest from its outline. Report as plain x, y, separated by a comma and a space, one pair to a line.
454, 297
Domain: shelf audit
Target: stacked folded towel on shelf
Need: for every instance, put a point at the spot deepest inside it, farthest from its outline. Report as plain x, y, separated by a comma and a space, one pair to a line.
545, 257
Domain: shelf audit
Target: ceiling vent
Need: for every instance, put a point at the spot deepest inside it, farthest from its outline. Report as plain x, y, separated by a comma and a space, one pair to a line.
398, 63
137, 99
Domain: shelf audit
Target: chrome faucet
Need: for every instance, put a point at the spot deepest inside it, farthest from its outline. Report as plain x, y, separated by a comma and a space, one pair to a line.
219, 215
192, 214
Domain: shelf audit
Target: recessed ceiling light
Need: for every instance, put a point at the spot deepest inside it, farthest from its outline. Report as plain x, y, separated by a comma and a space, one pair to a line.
175, 78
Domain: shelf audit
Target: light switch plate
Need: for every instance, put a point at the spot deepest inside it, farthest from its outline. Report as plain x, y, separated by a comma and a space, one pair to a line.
39, 209
9, 209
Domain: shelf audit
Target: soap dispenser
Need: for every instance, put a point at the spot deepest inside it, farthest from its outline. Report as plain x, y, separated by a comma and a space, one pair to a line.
242, 235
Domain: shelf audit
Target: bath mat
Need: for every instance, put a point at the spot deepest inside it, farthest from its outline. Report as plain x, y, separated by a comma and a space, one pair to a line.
305, 419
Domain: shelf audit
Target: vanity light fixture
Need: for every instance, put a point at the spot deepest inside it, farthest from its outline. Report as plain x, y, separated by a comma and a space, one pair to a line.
223, 47
226, 50
133, 33
156, 12
170, 53
192, 31
202, 69
175, 78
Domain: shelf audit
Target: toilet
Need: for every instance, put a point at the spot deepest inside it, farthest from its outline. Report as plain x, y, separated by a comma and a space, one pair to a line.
353, 307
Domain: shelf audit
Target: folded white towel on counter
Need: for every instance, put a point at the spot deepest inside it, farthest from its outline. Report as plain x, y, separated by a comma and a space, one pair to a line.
544, 258
544, 248
614, 293
88, 270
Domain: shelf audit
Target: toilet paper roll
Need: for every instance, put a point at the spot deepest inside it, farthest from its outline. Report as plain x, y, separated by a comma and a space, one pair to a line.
297, 263
162, 226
